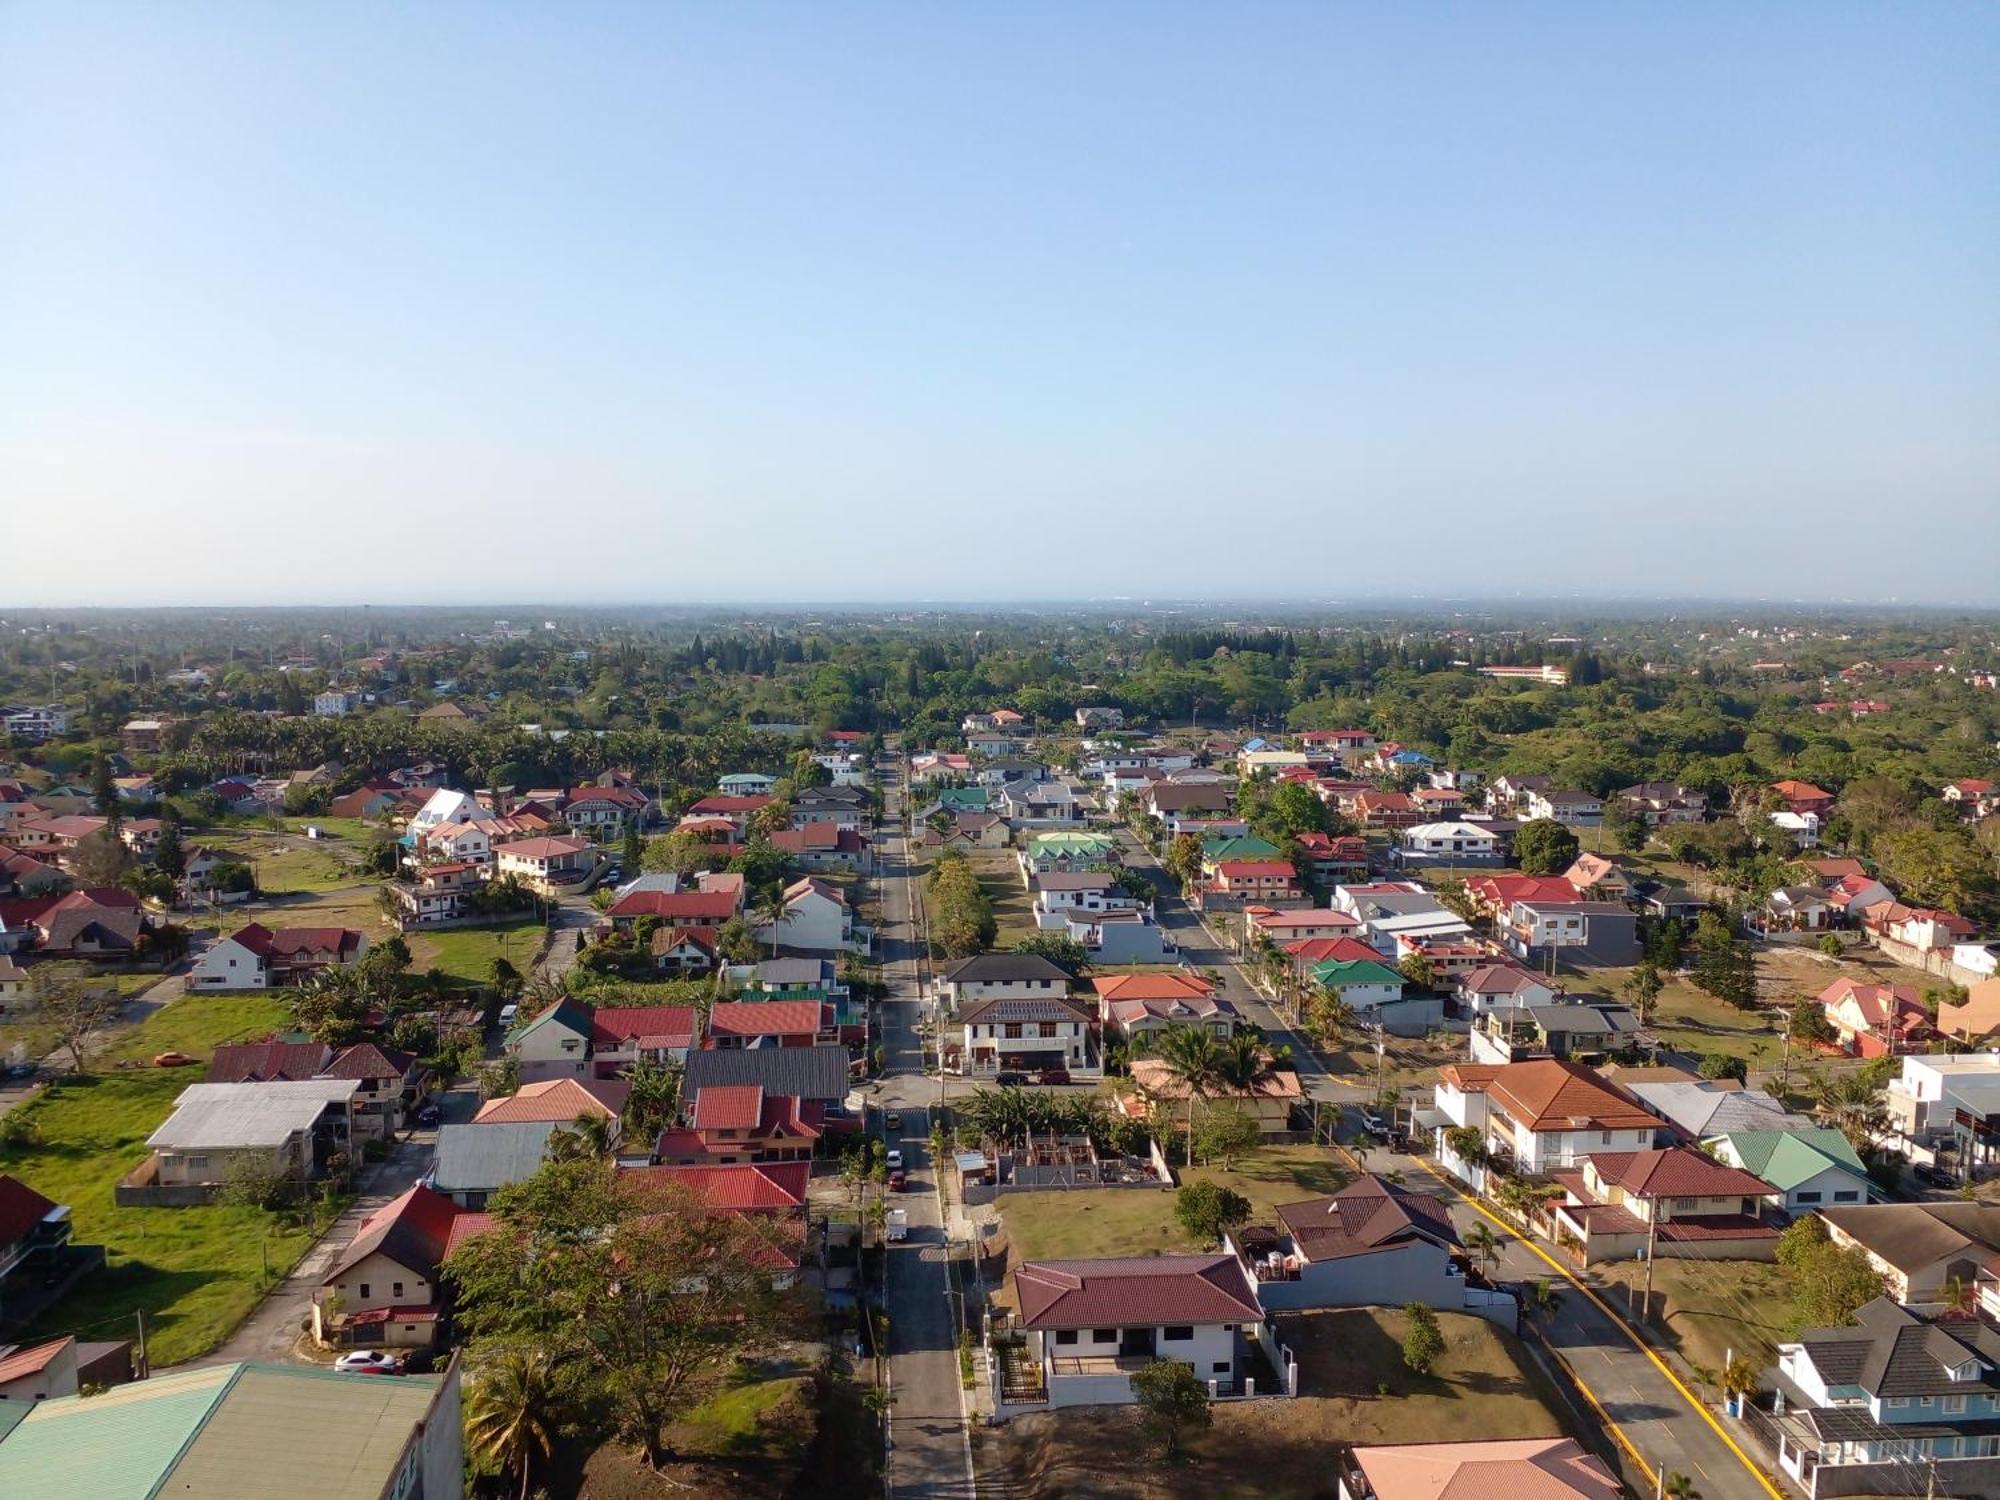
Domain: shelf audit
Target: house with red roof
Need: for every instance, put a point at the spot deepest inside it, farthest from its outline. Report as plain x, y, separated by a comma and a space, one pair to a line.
769, 1023
1803, 797
1087, 1325
1387, 809
1136, 1005
1296, 924
676, 908
1335, 859
743, 1122
549, 865
1920, 930
1255, 879
623, 1036
1876, 1020
738, 810
1541, 1115
34, 1244
773, 1194
602, 813
825, 846
256, 957
1494, 895
386, 1289
1673, 1201
272, 1060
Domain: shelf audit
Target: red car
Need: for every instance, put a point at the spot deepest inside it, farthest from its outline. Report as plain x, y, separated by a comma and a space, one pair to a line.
174, 1060
1055, 1075
898, 1181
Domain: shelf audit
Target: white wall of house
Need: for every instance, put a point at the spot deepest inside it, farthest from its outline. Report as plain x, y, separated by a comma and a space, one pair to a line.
1209, 1347
228, 965
550, 1051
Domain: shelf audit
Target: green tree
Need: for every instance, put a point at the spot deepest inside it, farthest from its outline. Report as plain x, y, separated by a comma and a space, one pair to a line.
1724, 965
1723, 1065
1484, 1244
170, 855
511, 1407
1226, 1132
1206, 1209
1543, 846
1194, 1058
1172, 1401
1829, 1282
632, 851
641, 1290
1423, 1341
1642, 990
1058, 948
1418, 972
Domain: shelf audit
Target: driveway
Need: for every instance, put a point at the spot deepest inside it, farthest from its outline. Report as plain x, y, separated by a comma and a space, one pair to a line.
271, 1332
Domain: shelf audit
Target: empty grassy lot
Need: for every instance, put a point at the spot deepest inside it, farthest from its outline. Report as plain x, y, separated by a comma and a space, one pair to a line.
1140, 1221
1708, 1308
196, 1272
1353, 1388
467, 953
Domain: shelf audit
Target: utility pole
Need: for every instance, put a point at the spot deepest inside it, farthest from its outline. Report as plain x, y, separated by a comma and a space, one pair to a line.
145, 1368
1652, 1240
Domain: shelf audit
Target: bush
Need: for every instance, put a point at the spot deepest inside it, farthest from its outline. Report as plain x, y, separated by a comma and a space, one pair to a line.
1425, 1340
1205, 1209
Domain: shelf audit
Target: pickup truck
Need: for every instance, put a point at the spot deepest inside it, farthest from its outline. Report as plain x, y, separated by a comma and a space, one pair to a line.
899, 1224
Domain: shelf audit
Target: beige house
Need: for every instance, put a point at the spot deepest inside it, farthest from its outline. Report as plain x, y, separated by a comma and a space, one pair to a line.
291, 1128
546, 865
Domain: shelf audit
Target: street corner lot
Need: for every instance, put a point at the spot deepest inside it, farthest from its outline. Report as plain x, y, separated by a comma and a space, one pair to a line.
1484, 1387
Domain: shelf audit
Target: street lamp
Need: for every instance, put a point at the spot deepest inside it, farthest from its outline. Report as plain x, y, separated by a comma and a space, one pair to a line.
1381, 1054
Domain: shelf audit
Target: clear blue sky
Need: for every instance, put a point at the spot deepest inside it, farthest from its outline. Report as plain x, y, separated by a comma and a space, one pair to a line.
832, 301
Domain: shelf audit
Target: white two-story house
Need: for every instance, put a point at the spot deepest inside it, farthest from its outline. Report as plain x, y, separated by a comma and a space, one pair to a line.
1540, 1115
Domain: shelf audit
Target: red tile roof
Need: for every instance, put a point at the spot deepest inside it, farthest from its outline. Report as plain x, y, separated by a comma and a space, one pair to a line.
735, 1106
413, 1230
1150, 1289
731, 804
1676, 1172
649, 1025
26, 1362
1316, 916
365, 1060
676, 906
1255, 869
1325, 950
743, 1018
21, 1209
1554, 1094
745, 1187
561, 1099
1158, 986
466, 1226
269, 1061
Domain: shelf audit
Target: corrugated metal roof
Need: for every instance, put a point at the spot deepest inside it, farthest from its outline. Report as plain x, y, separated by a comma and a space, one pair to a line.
480, 1158
117, 1445
295, 1434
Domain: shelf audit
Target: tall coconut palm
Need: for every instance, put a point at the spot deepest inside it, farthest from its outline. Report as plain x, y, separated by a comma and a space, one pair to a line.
772, 910
1194, 1058
1484, 1244
510, 1414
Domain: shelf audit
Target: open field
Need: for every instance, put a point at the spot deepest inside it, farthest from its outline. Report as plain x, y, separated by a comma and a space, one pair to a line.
1710, 1307
1353, 1388
198, 1024
467, 953
1140, 1221
1013, 908
195, 1271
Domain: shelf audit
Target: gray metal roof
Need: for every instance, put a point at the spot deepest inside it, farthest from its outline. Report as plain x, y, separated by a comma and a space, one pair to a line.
817, 1072
480, 1158
223, 1115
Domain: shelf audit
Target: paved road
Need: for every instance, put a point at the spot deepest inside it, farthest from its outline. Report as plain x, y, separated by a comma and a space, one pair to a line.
929, 1448
271, 1332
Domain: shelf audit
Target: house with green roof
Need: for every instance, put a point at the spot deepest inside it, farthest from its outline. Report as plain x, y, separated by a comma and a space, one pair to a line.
242, 1432
1812, 1167
552, 1043
959, 799
1242, 846
1362, 984
1068, 852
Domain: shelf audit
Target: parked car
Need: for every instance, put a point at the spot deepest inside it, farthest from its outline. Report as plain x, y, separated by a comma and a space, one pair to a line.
174, 1060
429, 1115
1054, 1075
368, 1362
1937, 1177
899, 1180
893, 1120
894, 1159
507, 1015
1374, 1124
899, 1224
1010, 1080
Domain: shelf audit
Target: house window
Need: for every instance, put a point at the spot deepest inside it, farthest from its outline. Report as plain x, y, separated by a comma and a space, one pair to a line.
1048, 1028
1812, 1197
1927, 1401
1898, 1402
396, 1289
1605, 1139
1954, 1406
1220, 1367
1177, 1333
1013, 1031
1104, 1335
1065, 1335
364, 1288
1844, 1195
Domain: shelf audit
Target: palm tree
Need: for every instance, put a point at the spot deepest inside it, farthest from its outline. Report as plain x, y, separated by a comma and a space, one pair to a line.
1241, 1061
1544, 1297
772, 910
1484, 1244
585, 1137
1192, 1056
1677, 1486
510, 1414
1739, 1377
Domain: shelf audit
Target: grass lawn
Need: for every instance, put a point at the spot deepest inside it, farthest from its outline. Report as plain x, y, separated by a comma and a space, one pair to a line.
1353, 1387
1013, 908
198, 1024
1710, 1307
196, 1271
1140, 1221
467, 953
283, 861
749, 1416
